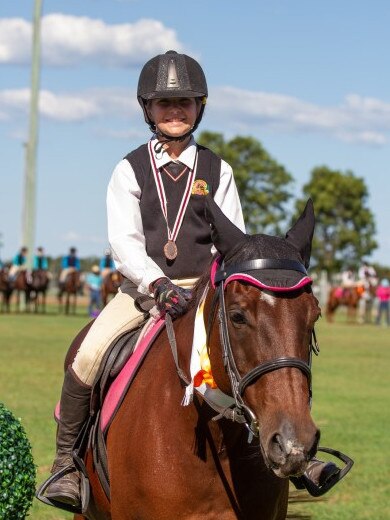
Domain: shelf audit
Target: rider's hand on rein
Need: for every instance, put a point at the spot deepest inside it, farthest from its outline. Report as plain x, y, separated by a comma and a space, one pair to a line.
170, 298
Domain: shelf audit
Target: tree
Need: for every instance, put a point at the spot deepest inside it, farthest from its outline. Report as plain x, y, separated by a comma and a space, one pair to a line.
262, 183
345, 226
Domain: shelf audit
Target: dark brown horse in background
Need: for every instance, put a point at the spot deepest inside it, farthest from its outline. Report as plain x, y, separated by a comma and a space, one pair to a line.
69, 289
22, 288
39, 285
173, 462
346, 296
111, 283
6, 289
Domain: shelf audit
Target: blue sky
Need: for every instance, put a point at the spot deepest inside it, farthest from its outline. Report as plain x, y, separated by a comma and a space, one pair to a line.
310, 80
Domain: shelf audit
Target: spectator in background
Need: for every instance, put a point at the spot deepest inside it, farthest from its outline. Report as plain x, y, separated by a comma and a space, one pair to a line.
93, 282
69, 263
383, 295
106, 265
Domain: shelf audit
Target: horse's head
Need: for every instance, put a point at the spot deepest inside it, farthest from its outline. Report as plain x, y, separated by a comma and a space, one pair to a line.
267, 314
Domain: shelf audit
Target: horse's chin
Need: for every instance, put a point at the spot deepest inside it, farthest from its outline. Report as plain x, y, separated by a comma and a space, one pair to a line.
290, 469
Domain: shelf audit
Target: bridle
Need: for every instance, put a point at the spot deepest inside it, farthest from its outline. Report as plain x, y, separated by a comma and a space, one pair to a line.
221, 278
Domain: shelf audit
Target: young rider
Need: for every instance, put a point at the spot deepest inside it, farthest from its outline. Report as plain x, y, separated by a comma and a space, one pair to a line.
18, 263
69, 263
106, 264
159, 237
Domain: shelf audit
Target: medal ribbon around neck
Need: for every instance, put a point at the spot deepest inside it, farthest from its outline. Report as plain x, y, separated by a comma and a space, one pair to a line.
172, 235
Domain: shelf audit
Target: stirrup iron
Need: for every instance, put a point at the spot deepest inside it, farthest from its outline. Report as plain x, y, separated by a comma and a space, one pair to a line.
317, 491
84, 488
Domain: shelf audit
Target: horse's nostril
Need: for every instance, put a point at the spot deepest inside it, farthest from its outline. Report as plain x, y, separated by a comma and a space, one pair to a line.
277, 448
277, 442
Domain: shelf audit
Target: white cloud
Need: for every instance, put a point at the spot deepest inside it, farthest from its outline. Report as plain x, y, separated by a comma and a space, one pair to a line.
355, 120
76, 237
68, 107
68, 40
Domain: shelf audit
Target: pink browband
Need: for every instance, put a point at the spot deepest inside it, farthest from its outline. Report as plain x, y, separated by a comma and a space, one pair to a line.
254, 281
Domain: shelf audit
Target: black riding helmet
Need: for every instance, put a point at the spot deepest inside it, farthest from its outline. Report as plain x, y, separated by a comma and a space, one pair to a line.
171, 75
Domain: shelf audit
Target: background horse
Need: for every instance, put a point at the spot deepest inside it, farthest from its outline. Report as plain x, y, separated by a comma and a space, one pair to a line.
21, 287
167, 461
347, 296
70, 288
110, 285
39, 285
5, 290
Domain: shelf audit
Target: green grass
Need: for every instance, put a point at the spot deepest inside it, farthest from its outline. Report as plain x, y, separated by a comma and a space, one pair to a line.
351, 387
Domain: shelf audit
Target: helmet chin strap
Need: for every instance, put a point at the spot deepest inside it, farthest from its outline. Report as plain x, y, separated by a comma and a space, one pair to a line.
165, 138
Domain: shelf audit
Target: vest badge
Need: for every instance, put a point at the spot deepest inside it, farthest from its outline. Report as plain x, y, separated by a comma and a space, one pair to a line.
200, 187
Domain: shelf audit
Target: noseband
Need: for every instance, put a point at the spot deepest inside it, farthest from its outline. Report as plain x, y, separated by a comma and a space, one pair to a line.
221, 277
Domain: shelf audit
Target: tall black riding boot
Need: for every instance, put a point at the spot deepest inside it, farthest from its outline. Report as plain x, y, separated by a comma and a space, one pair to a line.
74, 410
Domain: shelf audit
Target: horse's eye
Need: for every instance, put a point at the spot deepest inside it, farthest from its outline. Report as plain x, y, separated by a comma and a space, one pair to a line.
237, 317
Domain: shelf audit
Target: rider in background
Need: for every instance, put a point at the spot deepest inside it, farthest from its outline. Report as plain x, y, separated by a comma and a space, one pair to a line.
348, 280
367, 282
107, 264
159, 252
367, 274
69, 263
18, 263
40, 261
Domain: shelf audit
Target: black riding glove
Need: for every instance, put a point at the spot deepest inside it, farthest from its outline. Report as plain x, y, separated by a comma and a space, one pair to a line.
170, 298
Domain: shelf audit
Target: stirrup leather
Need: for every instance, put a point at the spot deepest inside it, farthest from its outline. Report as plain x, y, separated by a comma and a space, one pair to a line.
316, 490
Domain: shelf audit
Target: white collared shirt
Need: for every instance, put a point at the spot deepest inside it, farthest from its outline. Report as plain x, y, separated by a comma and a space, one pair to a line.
125, 230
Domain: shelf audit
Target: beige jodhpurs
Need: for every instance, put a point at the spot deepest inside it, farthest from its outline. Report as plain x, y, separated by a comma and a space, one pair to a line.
14, 270
64, 273
118, 316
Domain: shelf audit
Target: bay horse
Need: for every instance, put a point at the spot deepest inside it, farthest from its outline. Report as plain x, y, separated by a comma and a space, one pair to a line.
167, 461
5, 290
111, 283
70, 288
40, 281
21, 286
348, 297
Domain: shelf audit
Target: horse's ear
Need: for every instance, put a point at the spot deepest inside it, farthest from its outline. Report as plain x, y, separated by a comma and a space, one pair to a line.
224, 234
301, 234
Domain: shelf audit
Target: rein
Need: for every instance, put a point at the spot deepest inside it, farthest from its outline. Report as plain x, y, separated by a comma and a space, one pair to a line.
240, 383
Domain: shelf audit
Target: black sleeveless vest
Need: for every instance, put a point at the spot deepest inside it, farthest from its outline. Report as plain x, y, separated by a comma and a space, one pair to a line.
194, 240
71, 261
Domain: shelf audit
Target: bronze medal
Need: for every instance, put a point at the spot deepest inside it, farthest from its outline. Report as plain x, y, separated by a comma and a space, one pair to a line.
170, 250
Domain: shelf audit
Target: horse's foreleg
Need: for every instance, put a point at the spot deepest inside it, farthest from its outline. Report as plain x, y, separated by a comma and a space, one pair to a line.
74, 303
18, 301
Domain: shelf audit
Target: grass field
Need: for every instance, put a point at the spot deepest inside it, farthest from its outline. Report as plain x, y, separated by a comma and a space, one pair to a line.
351, 386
